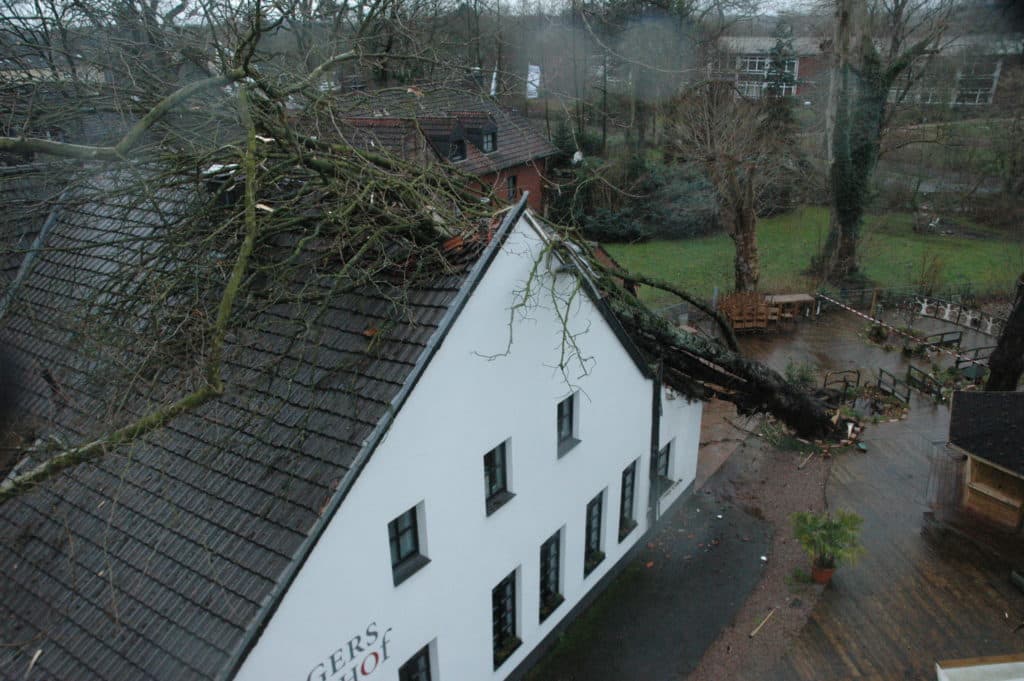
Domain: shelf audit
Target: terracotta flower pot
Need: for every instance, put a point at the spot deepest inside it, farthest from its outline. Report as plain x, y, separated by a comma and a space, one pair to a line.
821, 575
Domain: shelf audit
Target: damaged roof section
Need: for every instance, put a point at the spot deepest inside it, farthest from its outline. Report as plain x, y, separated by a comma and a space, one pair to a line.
157, 559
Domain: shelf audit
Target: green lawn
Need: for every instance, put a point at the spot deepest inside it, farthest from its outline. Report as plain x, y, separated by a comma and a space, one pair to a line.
891, 255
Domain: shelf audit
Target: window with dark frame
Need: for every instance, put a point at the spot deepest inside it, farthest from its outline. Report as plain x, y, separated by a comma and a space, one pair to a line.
550, 573
417, 668
503, 613
404, 539
496, 489
592, 555
626, 520
510, 187
566, 417
661, 462
403, 533
457, 150
490, 142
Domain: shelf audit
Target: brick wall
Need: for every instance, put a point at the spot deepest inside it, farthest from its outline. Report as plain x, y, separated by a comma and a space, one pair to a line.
528, 178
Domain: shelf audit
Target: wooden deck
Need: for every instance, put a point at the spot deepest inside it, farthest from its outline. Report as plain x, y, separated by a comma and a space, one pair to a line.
910, 600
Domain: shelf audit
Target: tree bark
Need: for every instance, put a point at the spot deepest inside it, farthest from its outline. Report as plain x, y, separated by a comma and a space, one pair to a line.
1006, 364
855, 119
747, 262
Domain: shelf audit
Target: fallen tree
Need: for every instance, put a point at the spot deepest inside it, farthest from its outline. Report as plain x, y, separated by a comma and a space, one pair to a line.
704, 367
294, 213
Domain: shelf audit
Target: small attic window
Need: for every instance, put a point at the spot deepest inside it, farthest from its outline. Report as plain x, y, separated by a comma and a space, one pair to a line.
490, 142
457, 150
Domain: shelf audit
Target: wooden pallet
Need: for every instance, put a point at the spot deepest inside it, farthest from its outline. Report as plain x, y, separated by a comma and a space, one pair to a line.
749, 311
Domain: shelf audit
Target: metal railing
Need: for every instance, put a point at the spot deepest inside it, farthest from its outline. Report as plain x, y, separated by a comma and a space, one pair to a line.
945, 339
890, 385
845, 381
923, 381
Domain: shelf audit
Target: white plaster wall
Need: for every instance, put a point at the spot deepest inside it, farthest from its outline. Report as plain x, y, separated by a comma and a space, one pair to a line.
680, 424
464, 405
1007, 671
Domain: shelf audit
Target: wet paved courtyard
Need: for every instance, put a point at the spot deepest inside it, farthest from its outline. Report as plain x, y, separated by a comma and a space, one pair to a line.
659, 616
834, 342
911, 600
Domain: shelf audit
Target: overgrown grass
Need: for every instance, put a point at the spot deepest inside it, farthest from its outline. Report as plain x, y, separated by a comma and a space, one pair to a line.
891, 255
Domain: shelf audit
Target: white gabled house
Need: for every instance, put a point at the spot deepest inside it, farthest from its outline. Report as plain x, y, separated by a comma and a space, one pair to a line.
522, 467
429, 503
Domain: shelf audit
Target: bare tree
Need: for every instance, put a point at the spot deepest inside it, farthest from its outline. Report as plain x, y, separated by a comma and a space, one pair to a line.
728, 137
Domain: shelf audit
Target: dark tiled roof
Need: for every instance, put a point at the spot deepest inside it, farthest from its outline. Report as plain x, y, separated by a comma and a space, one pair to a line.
27, 194
158, 560
990, 425
395, 136
474, 119
518, 141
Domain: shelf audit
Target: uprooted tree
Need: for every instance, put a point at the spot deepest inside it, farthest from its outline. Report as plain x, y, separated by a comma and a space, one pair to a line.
292, 214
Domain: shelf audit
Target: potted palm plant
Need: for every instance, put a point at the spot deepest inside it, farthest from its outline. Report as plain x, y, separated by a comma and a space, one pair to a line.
828, 539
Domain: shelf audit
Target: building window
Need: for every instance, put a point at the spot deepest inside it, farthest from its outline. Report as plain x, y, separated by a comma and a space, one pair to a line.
457, 150
404, 536
550, 575
417, 668
754, 64
976, 81
496, 478
750, 89
490, 142
592, 554
503, 612
626, 520
510, 187
662, 461
973, 96
566, 416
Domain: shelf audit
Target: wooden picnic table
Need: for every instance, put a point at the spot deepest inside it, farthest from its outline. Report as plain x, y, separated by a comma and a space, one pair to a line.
791, 304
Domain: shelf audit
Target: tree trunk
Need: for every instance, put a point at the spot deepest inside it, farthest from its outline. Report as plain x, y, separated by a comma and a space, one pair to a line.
747, 264
838, 257
699, 367
1006, 364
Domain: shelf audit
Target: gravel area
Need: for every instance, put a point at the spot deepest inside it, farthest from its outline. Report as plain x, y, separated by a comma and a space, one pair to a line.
767, 483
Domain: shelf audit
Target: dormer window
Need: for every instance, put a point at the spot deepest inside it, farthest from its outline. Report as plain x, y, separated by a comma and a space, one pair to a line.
490, 142
457, 150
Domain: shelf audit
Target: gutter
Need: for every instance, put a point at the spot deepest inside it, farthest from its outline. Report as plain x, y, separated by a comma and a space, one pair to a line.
273, 599
654, 482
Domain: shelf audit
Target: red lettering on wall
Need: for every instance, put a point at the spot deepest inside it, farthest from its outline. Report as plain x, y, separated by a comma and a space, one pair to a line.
376, 661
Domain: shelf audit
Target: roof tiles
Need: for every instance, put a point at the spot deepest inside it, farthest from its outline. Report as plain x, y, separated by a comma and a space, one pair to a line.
153, 561
436, 107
